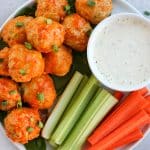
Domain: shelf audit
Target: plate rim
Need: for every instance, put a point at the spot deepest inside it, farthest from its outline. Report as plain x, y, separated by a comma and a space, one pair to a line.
29, 3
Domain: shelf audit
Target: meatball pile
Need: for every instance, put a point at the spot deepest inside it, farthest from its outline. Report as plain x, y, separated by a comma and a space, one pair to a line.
38, 48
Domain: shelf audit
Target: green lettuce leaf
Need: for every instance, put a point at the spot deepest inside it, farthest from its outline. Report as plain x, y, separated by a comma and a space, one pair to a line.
36, 144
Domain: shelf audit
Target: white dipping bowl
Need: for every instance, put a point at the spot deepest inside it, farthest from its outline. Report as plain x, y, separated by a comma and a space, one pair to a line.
124, 59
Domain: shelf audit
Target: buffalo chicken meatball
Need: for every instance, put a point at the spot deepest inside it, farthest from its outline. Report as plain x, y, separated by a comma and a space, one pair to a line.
23, 125
59, 62
77, 29
9, 95
54, 9
40, 92
44, 34
94, 10
25, 64
4, 62
14, 31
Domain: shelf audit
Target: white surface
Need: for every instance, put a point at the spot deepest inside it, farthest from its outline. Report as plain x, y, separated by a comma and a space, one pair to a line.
7, 7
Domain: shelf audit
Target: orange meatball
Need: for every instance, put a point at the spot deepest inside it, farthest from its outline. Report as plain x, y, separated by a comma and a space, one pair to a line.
9, 95
58, 63
23, 125
4, 61
94, 10
44, 34
77, 29
54, 9
40, 92
24, 64
14, 31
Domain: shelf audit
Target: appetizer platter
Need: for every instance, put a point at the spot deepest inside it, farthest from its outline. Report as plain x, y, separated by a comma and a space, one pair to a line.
50, 95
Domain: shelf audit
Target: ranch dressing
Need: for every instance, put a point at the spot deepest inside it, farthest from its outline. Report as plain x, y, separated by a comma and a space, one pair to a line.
122, 53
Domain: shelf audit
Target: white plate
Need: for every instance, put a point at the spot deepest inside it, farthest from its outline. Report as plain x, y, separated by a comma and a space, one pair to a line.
118, 7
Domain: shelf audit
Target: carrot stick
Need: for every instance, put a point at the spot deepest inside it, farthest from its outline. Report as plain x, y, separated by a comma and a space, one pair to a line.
148, 97
143, 91
138, 120
118, 95
148, 109
147, 104
132, 137
129, 107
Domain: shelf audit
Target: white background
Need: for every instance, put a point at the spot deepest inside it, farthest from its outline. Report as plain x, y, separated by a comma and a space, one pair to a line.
8, 6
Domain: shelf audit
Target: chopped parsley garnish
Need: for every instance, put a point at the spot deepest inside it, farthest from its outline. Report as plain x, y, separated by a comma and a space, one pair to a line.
40, 96
28, 45
1, 60
19, 104
67, 8
147, 13
48, 21
91, 3
55, 48
40, 124
12, 92
19, 24
22, 72
4, 103
30, 129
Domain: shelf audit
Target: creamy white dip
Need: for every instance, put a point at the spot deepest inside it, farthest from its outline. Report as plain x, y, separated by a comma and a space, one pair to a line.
121, 53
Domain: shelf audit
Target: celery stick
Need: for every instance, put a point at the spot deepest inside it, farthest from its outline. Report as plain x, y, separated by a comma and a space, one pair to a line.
77, 92
63, 101
96, 111
73, 114
80, 87
104, 110
53, 144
